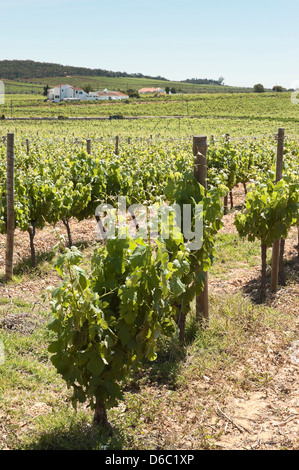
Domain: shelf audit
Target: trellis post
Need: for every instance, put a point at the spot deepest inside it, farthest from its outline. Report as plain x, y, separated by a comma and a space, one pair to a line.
276, 244
200, 172
10, 208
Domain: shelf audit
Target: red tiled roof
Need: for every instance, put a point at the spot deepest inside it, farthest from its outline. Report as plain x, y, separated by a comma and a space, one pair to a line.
110, 93
149, 90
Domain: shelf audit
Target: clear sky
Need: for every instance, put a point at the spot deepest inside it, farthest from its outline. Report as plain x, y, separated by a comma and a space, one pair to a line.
246, 42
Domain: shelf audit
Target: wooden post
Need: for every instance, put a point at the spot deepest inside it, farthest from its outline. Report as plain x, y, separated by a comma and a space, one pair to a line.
116, 144
280, 147
88, 146
200, 172
27, 146
10, 208
225, 202
281, 274
264, 272
276, 244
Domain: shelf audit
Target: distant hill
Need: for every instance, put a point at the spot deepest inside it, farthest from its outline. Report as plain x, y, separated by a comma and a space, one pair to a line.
24, 69
30, 77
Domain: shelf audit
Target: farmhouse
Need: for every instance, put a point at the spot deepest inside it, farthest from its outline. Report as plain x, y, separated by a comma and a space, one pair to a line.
109, 95
66, 92
151, 90
69, 93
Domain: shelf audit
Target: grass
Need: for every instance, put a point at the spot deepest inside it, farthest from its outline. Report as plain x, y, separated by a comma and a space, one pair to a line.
233, 253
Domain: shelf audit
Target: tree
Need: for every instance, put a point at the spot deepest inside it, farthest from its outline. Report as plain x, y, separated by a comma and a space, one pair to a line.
167, 89
259, 88
132, 93
45, 92
278, 89
173, 91
221, 80
87, 88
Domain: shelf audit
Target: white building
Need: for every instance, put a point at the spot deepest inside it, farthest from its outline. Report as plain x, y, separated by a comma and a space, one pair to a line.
66, 92
109, 95
70, 93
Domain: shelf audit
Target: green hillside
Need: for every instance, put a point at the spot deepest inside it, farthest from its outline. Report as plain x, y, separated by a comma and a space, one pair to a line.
35, 85
20, 87
22, 69
30, 77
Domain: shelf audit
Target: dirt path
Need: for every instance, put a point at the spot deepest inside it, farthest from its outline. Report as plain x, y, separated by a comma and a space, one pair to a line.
267, 418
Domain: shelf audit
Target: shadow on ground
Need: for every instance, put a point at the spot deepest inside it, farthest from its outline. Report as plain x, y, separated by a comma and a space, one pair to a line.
290, 275
164, 370
79, 436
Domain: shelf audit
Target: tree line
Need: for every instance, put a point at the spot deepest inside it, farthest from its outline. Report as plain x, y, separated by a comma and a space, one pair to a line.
24, 69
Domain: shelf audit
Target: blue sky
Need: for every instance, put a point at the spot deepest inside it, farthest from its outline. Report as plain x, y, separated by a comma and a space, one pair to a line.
245, 42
